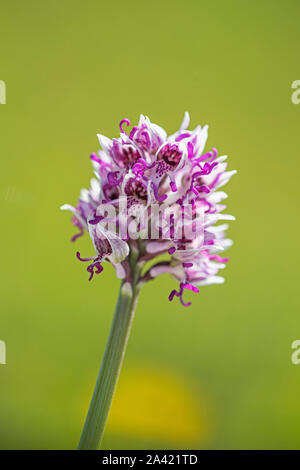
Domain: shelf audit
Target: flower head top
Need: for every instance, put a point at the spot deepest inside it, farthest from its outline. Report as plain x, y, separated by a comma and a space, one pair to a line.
155, 195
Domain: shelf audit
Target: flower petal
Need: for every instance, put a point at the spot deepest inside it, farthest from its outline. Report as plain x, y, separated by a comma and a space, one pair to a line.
120, 249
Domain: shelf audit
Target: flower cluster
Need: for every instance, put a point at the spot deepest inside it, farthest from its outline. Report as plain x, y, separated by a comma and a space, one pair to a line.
146, 167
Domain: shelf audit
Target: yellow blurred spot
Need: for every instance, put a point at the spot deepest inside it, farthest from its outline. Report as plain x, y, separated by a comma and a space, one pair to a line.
155, 403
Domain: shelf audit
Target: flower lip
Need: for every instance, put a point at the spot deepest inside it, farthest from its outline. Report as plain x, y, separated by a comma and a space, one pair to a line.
124, 154
170, 154
137, 189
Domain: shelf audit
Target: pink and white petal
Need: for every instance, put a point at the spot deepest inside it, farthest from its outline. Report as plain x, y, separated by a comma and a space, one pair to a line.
186, 122
68, 207
120, 249
156, 247
210, 280
216, 197
176, 271
105, 143
225, 178
120, 270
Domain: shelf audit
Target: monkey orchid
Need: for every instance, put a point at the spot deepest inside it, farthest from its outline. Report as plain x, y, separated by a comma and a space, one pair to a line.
153, 195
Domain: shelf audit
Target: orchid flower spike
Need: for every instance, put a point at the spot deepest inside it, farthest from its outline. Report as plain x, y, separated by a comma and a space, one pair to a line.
156, 194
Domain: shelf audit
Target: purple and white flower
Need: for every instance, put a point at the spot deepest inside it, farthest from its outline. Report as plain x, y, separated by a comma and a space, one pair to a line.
145, 168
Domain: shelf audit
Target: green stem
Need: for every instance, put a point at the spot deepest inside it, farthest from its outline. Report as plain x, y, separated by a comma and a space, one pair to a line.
93, 430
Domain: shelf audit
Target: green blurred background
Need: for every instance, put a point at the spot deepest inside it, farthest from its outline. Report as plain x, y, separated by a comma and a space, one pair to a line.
215, 375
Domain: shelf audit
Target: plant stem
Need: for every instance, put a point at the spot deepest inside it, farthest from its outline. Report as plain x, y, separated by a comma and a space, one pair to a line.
93, 430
